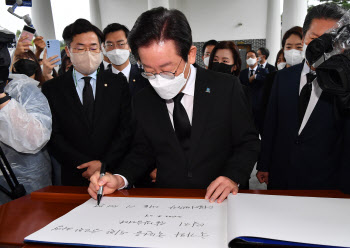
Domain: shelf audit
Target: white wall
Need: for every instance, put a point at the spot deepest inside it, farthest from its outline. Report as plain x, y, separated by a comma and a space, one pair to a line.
219, 19
209, 19
122, 11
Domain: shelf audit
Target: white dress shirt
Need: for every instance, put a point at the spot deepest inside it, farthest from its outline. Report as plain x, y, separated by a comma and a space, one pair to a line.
315, 95
187, 102
187, 99
80, 83
125, 71
264, 65
254, 71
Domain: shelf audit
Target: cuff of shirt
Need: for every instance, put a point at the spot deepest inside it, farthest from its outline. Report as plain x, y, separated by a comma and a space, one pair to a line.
126, 183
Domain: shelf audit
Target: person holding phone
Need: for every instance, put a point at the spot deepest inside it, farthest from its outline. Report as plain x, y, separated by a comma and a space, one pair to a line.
25, 62
25, 121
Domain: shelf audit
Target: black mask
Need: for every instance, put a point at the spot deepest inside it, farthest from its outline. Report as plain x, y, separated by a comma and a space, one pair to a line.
25, 66
222, 67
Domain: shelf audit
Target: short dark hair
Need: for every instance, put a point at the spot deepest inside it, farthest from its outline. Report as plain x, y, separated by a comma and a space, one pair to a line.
80, 26
296, 30
264, 51
114, 27
323, 11
251, 51
209, 43
160, 24
235, 54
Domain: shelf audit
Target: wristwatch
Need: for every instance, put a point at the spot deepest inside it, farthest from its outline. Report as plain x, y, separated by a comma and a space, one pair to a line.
5, 98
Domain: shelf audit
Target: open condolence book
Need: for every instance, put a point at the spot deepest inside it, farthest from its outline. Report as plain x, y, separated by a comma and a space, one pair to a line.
154, 222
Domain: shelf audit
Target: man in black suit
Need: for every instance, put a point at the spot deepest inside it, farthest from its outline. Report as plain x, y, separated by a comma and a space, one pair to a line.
116, 57
305, 144
193, 123
253, 78
263, 54
90, 108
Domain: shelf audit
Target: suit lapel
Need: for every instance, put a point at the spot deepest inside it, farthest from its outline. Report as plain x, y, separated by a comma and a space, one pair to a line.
201, 107
293, 92
72, 98
101, 100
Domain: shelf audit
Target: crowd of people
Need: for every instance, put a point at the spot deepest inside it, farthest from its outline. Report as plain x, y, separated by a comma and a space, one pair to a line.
165, 121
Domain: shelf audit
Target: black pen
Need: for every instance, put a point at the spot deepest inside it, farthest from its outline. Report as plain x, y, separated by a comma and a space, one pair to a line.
100, 190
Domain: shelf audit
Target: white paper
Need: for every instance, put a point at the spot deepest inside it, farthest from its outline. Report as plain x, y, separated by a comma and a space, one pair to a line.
312, 220
140, 222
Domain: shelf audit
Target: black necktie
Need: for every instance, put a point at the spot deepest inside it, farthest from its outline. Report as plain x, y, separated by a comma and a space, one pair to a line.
251, 73
109, 67
182, 124
304, 97
88, 99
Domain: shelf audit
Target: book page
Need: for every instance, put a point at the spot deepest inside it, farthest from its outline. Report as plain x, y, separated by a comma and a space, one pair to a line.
140, 222
311, 220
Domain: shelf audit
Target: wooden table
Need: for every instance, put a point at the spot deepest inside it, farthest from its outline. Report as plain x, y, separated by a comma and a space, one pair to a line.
23, 216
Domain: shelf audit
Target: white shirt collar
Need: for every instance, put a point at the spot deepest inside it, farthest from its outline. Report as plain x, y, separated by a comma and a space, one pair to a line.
189, 88
125, 71
306, 69
105, 64
79, 76
256, 67
264, 65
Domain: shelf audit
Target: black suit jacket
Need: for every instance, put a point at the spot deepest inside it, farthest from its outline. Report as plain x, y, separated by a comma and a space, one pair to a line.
319, 157
255, 91
73, 141
270, 67
224, 141
136, 81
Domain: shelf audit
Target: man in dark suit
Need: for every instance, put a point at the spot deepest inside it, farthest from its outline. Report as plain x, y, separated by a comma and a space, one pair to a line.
116, 57
193, 123
253, 78
90, 109
263, 54
305, 144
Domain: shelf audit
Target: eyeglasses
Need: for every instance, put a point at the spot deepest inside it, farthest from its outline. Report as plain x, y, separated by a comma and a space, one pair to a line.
120, 45
163, 74
81, 50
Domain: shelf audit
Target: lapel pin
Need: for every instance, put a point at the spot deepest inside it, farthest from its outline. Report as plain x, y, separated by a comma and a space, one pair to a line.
207, 90
106, 85
134, 80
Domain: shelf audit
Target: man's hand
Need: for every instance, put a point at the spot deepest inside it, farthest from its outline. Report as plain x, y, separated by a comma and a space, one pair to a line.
48, 65
263, 177
109, 182
153, 175
39, 45
22, 46
91, 166
220, 188
251, 78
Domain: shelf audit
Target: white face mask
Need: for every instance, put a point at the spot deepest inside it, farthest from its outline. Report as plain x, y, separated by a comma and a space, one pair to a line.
281, 65
86, 63
206, 61
251, 61
293, 56
118, 56
168, 88
104, 51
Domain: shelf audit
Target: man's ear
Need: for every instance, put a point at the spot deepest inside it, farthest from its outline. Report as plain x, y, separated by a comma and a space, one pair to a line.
192, 55
67, 51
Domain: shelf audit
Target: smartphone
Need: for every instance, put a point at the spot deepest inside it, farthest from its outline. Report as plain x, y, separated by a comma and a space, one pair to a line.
53, 48
28, 31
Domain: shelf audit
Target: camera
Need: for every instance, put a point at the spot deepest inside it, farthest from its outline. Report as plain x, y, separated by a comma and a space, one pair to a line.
7, 40
330, 56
